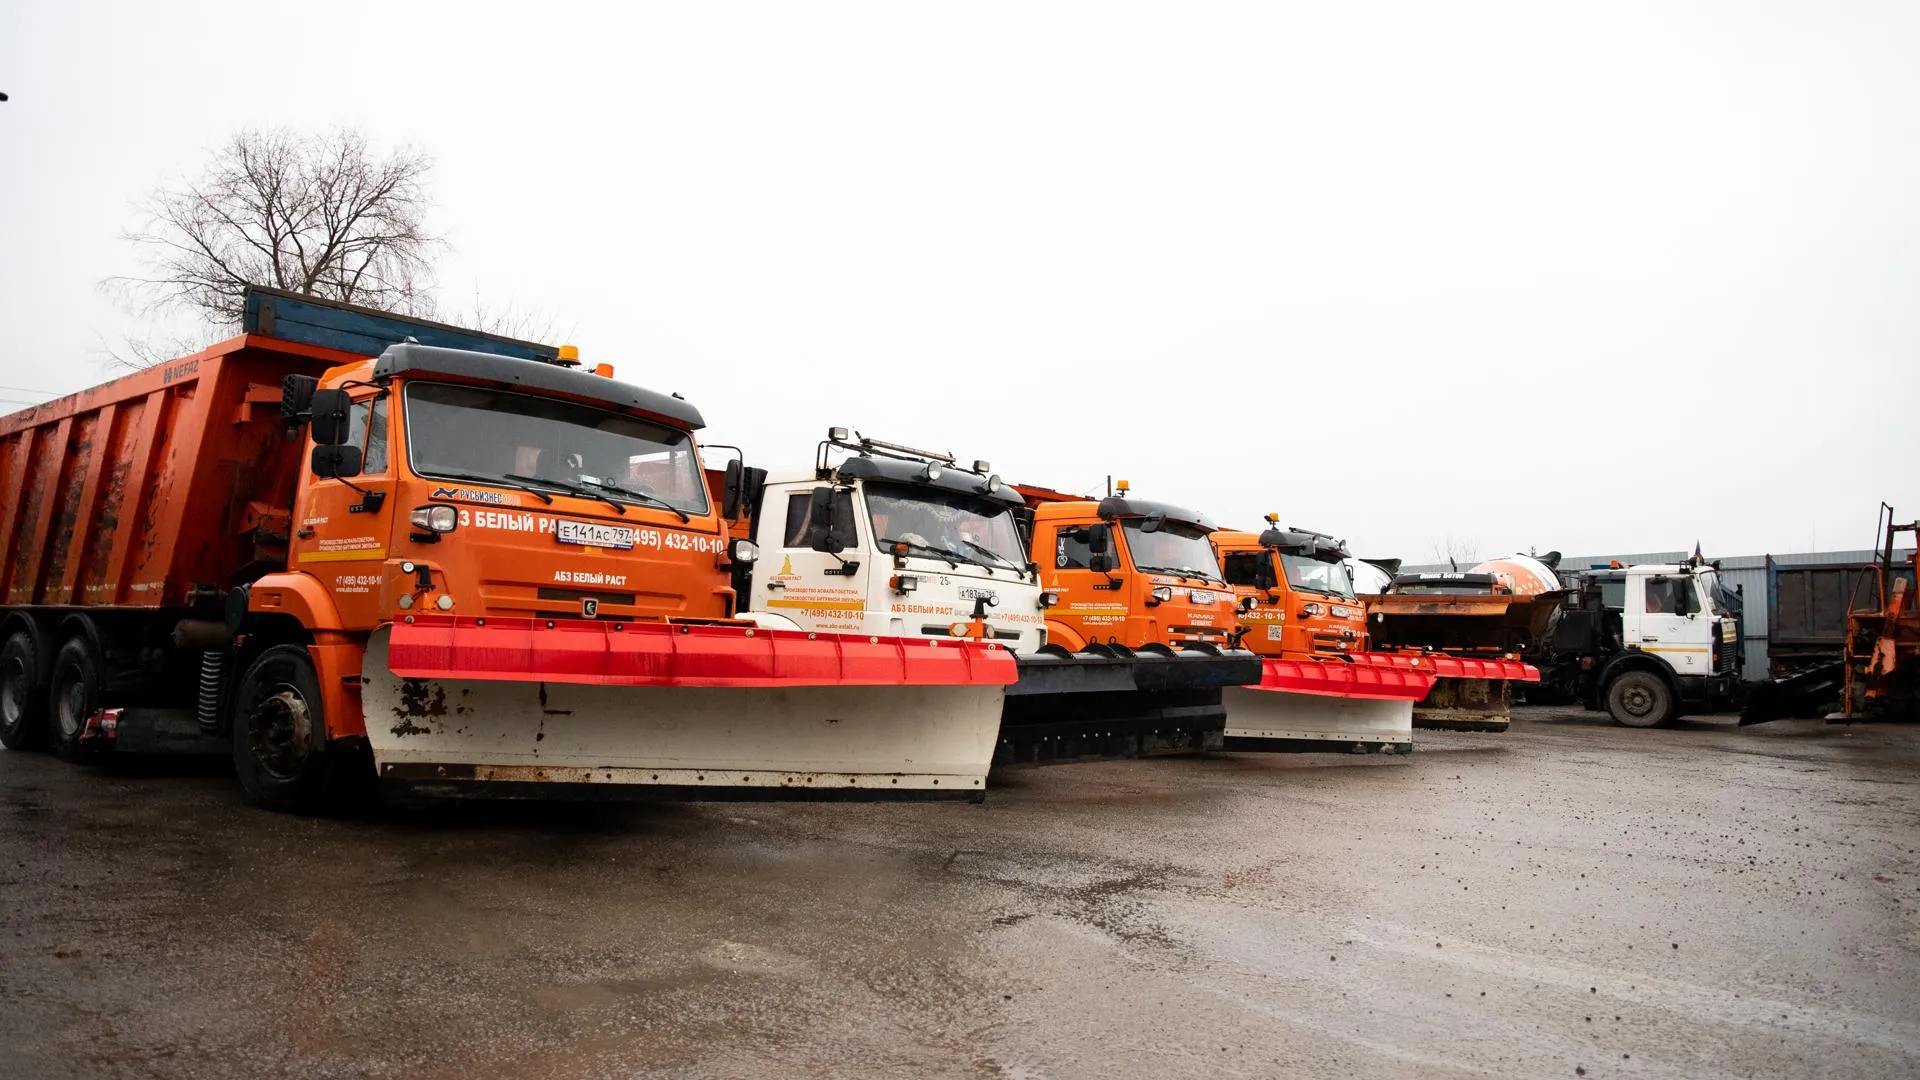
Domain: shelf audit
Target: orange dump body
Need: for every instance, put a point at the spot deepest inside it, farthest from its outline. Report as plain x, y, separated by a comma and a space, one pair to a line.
152, 489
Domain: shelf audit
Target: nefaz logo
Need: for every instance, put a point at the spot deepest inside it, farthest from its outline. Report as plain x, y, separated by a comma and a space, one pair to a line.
590, 608
498, 498
179, 371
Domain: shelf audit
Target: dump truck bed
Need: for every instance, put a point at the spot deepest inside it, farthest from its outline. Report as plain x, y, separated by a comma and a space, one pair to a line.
138, 491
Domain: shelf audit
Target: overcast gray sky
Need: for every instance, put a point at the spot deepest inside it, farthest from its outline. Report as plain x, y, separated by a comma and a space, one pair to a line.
1588, 278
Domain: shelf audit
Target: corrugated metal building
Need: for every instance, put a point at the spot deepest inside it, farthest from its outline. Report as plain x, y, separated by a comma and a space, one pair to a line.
1745, 573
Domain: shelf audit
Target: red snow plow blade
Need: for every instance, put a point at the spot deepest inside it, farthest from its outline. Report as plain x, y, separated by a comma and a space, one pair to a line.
671, 654
1364, 676
531, 707
1359, 703
1468, 694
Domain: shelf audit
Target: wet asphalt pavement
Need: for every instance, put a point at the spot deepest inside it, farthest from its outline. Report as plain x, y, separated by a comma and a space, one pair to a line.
1566, 899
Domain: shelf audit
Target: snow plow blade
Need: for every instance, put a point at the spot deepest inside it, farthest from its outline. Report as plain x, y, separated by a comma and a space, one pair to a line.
1467, 694
1112, 702
1364, 703
1802, 695
522, 707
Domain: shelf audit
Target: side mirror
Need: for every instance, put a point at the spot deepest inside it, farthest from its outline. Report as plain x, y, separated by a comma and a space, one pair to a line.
1263, 575
330, 409
1099, 538
296, 397
829, 520
1100, 562
732, 491
336, 461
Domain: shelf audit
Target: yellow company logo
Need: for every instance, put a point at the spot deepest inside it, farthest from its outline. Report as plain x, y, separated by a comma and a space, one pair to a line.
786, 565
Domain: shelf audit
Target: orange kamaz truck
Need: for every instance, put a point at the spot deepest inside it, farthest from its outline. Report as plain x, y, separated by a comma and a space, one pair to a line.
1321, 689
1131, 580
344, 545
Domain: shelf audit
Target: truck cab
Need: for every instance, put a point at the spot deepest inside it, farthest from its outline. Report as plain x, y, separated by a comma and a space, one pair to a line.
1127, 571
1649, 643
1296, 599
883, 539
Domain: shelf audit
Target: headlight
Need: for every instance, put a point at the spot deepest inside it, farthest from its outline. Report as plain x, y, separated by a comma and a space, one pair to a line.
1049, 599
1342, 612
440, 519
1247, 603
1202, 596
904, 583
741, 550
1162, 593
1311, 609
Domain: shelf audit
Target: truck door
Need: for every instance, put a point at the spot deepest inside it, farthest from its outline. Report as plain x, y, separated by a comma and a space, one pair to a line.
342, 526
1662, 628
1092, 604
810, 586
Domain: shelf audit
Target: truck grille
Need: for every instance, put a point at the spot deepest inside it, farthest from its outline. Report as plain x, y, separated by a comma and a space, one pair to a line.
1724, 655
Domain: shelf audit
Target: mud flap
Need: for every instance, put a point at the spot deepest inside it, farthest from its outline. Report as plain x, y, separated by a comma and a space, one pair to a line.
1112, 702
781, 735
1326, 706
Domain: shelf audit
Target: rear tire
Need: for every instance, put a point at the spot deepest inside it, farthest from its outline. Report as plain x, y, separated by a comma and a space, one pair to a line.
23, 700
280, 747
1640, 699
73, 696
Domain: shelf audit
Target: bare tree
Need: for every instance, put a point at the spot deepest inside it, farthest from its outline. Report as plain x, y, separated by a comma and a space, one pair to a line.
1457, 551
321, 215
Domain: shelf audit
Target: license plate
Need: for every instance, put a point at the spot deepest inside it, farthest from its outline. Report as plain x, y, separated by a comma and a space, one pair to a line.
595, 534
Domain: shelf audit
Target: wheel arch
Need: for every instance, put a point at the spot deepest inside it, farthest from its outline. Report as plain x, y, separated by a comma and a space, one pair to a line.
1059, 633
1640, 661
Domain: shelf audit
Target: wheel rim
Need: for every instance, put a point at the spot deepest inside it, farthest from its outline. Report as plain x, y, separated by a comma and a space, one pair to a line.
13, 691
279, 729
1636, 699
70, 712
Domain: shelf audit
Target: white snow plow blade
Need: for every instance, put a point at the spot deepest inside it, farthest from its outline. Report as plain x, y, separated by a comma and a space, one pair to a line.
1325, 706
517, 736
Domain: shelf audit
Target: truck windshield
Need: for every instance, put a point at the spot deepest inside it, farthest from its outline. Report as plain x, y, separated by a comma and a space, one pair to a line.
950, 523
467, 432
1316, 576
1174, 548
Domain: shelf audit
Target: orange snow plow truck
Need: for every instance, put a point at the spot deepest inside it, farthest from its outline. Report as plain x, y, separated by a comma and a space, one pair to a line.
345, 545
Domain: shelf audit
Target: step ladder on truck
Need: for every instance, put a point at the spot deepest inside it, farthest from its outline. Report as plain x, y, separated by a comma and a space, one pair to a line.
1320, 689
883, 538
345, 545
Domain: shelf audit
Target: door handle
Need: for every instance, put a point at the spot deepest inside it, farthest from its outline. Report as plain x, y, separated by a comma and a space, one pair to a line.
776, 584
1648, 637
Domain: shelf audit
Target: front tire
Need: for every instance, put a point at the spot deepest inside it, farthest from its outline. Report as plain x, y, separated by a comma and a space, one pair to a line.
73, 696
280, 747
1640, 699
23, 700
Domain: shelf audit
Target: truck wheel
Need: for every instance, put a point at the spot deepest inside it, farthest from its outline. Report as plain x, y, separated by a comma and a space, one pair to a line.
280, 734
1640, 699
23, 703
73, 696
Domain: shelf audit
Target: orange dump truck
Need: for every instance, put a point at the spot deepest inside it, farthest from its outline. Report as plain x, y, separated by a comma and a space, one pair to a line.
1129, 580
347, 545
1320, 689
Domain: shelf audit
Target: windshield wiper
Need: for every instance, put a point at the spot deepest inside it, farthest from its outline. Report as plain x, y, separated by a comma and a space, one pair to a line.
1182, 572
992, 554
476, 478
650, 500
581, 490
951, 558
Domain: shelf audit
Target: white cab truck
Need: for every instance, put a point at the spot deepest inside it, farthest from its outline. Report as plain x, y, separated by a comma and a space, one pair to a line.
1649, 644
883, 539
